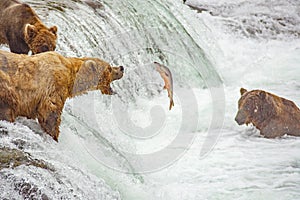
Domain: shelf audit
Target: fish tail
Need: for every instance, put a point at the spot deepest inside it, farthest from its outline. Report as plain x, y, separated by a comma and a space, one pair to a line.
171, 104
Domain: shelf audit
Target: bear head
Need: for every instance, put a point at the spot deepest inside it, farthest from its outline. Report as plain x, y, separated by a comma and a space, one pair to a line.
117, 72
255, 107
40, 38
95, 74
108, 75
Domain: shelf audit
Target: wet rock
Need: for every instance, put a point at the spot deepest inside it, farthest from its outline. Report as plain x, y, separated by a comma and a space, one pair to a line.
11, 158
29, 191
20, 144
3, 131
263, 22
198, 9
93, 4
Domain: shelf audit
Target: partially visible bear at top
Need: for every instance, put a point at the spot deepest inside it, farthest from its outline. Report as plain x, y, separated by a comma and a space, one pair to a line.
22, 29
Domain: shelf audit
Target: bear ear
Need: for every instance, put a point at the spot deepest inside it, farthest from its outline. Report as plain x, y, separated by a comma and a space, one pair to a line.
262, 95
53, 30
243, 90
30, 31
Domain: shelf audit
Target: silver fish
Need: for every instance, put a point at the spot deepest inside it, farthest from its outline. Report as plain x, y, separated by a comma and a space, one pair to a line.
166, 74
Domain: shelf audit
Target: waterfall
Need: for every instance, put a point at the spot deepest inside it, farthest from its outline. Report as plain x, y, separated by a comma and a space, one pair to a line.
129, 145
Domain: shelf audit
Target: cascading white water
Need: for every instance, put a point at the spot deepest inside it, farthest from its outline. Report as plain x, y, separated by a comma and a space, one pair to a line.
129, 145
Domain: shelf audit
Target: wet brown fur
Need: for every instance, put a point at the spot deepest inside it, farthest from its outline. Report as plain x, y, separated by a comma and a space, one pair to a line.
274, 116
37, 86
22, 29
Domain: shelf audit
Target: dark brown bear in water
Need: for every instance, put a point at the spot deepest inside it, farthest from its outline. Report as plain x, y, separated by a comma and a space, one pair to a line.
22, 29
272, 115
37, 86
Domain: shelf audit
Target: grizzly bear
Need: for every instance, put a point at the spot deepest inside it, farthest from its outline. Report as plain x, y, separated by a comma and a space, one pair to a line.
37, 86
272, 115
22, 29
8, 98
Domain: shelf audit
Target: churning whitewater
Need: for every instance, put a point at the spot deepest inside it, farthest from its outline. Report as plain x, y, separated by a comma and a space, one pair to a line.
129, 145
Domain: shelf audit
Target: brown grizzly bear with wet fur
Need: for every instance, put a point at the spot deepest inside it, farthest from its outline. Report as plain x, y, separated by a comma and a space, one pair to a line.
8, 98
272, 115
37, 86
22, 29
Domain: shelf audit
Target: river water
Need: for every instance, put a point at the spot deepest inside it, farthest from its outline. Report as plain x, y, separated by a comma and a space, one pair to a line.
129, 145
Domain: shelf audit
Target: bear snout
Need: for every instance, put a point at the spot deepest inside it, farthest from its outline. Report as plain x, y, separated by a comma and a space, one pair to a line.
41, 49
44, 48
240, 118
117, 72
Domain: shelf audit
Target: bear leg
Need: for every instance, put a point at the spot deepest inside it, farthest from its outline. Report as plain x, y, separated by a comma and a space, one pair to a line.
50, 123
6, 113
3, 40
8, 100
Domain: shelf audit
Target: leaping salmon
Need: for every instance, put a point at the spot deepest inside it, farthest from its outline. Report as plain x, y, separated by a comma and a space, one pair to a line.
166, 74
